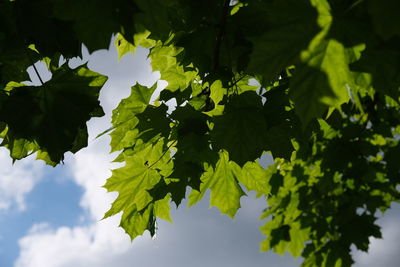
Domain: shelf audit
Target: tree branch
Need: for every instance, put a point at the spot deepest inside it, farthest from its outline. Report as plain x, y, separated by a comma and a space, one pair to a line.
220, 35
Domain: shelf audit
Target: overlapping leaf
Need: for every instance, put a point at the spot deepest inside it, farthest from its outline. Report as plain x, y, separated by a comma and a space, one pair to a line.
124, 122
54, 115
289, 34
132, 182
222, 181
336, 61
163, 59
241, 129
94, 32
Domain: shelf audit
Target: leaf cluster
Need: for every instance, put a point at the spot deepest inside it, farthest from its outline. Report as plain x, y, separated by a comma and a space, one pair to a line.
312, 82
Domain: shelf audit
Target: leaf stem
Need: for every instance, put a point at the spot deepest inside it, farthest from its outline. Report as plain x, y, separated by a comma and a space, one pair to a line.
31, 61
37, 72
353, 6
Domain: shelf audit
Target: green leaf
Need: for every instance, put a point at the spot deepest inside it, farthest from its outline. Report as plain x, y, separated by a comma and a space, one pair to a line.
241, 129
333, 130
180, 96
135, 223
255, 178
217, 92
162, 209
123, 46
133, 182
359, 228
324, 79
157, 21
277, 105
199, 45
323, 82
192, 151
19, 148
278, 139
384, 16
139, 39
280, 46
55, 114
163, 59
153, 121
124, 118
329, 132
225, 190
96, 33
298, 237
382, 65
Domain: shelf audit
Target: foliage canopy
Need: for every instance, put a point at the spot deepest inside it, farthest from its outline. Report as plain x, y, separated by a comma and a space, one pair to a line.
326, 107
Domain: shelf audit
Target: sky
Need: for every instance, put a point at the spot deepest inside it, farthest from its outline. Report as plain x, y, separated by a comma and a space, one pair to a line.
51, 217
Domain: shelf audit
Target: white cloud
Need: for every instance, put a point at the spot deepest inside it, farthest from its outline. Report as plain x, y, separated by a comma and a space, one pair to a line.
77, 246
17, 180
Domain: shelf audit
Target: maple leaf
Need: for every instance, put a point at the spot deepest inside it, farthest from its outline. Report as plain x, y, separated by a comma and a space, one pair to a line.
241, 129
225, 190
44, 119
133, 182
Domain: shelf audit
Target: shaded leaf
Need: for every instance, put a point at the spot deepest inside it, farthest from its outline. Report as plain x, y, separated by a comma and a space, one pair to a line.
241, 129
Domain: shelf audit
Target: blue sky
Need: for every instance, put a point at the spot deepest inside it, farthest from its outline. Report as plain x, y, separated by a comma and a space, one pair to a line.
50, 217
54, 200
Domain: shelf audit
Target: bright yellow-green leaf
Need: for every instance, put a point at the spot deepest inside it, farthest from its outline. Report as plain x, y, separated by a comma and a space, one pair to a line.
255, 178
163, 59
123, 46
124, 120
225, 190
162, 208
133, 182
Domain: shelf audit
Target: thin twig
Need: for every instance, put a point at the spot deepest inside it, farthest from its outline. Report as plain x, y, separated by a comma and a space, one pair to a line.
356, 3
238, 80
31, 60
37, 73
